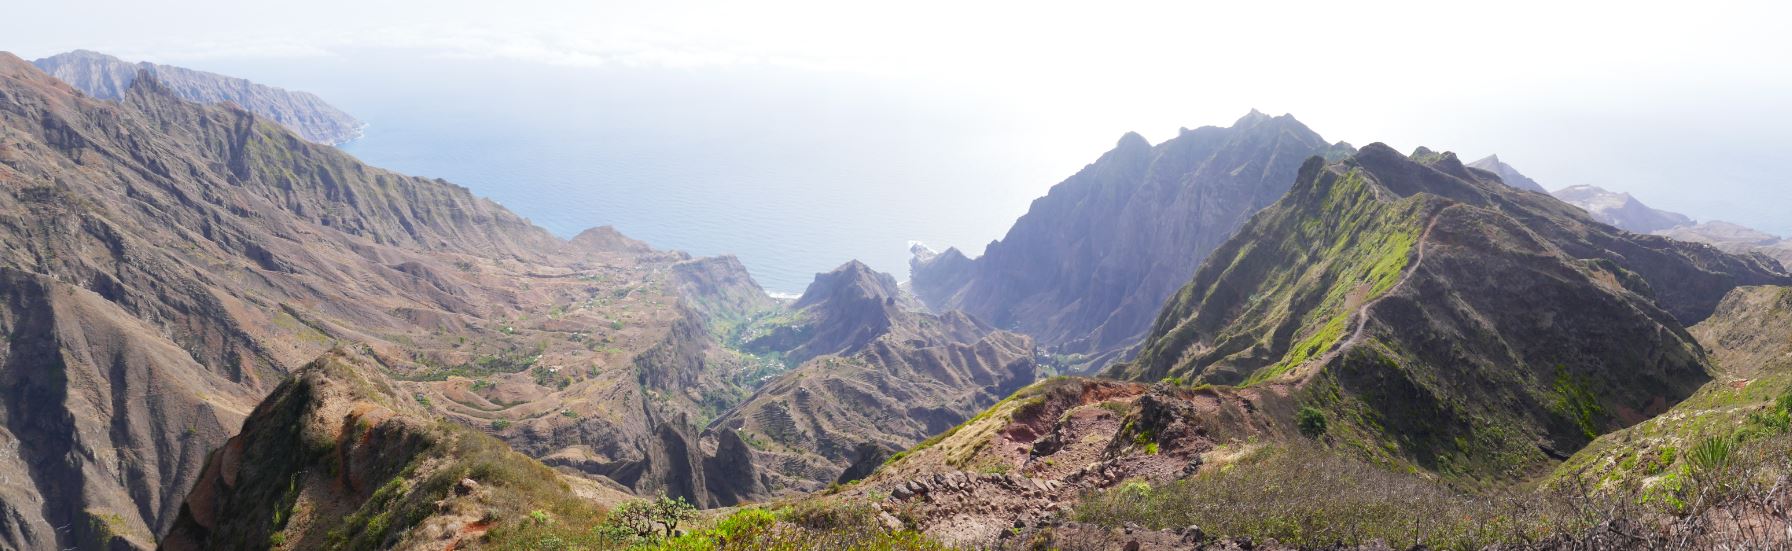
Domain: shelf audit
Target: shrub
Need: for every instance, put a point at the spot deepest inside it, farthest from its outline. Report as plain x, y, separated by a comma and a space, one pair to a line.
1311, 421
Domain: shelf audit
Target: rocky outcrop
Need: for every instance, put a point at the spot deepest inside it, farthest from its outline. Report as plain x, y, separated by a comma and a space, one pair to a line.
1621, 210
1090, 263
109, 78
873, 378
721, 288
1508, 175
846, 309
337, 457
1443, 306
1024, 463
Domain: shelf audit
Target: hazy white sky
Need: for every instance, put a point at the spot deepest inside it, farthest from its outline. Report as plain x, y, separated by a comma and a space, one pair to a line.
1684, 104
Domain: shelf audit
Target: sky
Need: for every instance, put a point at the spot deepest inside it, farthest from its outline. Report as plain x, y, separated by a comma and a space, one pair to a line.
1682, 104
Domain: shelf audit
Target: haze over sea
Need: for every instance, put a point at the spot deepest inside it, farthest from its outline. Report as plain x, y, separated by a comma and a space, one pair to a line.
797, 171
793, 172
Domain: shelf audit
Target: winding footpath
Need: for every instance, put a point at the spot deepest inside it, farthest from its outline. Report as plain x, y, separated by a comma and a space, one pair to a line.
1361, 316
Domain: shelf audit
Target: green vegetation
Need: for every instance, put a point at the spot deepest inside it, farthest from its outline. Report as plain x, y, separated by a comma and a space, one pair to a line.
1341, 245
522, 499
1308, 348
1311, 421
514, 360
106, 526
1654, 454
1309, 496
808, 525
1578, 402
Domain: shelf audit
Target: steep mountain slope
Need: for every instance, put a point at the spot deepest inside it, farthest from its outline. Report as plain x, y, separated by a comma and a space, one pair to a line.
1621, 210
1511, 176
168, 262
1089, 264
337, 458
1750, 339
106, 77
874, 378
1735, 238
1457, 323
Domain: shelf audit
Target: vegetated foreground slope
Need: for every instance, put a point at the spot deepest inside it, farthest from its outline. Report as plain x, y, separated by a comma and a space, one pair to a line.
1449, 320
873, 377
338, 458
1750, 339
167, 263
1090, 263
1400, 312
109, 78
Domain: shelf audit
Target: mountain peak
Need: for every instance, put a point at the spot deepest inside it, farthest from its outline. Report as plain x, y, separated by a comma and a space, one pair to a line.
1510, 176
1132, 140
853, 281
1252, 118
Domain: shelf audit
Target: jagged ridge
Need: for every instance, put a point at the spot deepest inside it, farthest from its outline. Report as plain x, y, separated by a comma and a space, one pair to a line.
1474, 328
1090, 263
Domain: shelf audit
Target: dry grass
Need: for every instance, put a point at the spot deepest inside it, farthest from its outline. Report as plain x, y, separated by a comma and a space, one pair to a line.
1729, 495
1309, 496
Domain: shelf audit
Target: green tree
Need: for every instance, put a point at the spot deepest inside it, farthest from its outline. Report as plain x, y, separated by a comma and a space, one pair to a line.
672, 511
1311, 421
635, 516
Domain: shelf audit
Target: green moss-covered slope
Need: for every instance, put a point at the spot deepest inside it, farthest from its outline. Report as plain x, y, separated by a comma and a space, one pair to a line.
1445, 321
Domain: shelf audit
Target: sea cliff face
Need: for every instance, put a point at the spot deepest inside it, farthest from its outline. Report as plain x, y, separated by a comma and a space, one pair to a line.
109, 78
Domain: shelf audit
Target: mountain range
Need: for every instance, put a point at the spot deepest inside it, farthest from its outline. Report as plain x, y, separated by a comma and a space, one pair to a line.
220, 333
142, 329
109, 78
1626, 212
1089, 263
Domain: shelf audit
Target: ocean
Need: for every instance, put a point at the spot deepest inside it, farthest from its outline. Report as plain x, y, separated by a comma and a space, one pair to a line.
795, 172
